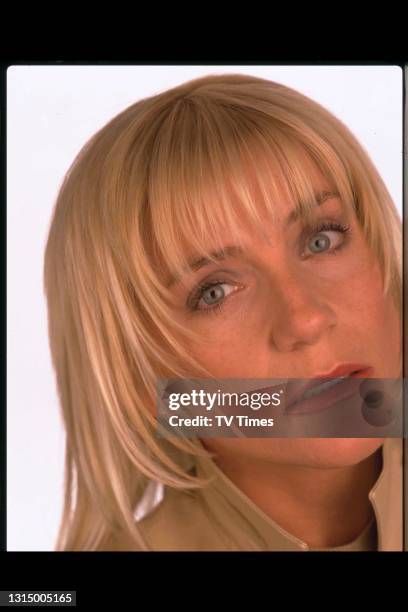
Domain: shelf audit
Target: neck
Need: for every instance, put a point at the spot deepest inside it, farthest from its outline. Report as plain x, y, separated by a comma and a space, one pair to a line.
310, 503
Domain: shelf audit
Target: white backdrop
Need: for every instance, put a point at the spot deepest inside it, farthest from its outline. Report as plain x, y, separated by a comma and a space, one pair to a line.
51, 112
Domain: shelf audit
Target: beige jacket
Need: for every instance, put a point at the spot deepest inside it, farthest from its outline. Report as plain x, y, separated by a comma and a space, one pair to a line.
222, 518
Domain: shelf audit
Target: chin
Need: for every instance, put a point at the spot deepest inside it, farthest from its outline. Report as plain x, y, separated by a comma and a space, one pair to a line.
335, 452
301, 452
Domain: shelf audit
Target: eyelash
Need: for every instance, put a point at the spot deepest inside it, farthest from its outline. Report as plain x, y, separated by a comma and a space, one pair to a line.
200, 288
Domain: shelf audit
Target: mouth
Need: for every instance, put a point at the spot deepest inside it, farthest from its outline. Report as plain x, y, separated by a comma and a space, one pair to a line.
324, 390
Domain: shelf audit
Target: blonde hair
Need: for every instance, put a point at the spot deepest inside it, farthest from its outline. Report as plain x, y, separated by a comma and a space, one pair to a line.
156, 181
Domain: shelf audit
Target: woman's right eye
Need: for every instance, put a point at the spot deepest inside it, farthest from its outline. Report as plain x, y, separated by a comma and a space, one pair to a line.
209, 295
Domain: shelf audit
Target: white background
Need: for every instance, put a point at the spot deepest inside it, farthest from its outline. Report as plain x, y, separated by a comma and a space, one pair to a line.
51, 112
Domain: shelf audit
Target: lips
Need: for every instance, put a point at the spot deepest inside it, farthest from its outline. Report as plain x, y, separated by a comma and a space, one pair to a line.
314, 394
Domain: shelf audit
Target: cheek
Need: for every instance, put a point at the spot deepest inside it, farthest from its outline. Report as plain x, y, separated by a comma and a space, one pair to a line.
228, 347
235, 355
369, 311
360, 305
360, 287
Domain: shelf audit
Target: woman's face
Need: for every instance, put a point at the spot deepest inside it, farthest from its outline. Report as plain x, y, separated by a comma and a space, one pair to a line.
298, 304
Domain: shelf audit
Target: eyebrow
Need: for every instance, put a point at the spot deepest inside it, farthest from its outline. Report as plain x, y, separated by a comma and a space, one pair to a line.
234, 250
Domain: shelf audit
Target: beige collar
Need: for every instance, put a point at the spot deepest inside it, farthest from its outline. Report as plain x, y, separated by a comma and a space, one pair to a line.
386, 497
243, 521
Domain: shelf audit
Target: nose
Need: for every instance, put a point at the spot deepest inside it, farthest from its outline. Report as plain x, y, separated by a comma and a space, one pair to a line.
301, 315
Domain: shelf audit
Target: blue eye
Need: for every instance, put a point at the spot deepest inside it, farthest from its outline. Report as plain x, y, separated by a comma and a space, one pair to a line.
321, 242
211, 294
